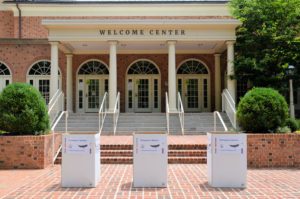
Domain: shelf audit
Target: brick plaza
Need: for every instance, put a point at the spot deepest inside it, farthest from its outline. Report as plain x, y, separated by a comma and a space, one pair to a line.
184, 181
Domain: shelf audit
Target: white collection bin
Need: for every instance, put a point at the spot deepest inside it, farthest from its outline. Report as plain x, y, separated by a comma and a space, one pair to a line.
80, 160
227, 159
150, 160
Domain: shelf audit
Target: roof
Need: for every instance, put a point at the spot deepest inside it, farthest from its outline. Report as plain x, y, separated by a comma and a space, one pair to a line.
115, 1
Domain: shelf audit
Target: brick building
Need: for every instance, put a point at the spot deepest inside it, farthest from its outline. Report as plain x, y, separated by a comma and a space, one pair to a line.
141, 49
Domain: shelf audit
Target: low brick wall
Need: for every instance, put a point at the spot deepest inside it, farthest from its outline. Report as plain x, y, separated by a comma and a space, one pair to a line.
273, 150
27, 152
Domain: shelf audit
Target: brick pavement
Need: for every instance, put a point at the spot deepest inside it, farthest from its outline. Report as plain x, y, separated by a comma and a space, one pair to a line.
185, 181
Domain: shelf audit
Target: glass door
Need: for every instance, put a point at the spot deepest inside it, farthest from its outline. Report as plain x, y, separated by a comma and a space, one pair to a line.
93, 95
142, 95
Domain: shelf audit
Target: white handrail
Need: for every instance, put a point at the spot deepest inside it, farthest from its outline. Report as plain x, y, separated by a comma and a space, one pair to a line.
56, 106
231, 100
116, 112
216, 113
228, 105
181, 113
53, 98
102, 112
167, 113
53, 137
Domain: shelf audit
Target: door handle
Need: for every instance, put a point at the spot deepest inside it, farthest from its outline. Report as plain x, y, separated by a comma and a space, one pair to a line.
136, 95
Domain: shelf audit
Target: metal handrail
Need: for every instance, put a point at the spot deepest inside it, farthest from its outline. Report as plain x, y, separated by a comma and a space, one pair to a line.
56, 106
229, 96
54, 97
102, 112
53, 137
229, 107
216, 113
116, 112
180, 112
167, 113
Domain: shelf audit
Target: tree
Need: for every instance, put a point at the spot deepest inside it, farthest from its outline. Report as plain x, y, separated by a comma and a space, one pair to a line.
266, 41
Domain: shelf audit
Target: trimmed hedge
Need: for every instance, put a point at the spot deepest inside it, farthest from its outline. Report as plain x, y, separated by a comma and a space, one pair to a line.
262, 110
23, 110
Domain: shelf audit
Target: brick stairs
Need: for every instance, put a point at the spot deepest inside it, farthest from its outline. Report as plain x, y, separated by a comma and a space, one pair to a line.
178, 154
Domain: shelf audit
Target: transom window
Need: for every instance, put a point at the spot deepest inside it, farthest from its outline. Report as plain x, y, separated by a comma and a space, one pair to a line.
41, 68
93, 68
143, 67
4, 69
192, 67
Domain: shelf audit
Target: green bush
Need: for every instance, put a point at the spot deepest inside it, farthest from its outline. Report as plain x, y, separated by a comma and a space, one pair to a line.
284, 129
292, 124
23, 110
262, 110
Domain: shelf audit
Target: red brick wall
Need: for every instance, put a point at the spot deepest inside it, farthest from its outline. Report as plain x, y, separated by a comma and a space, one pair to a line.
273, 150
20, 58
27, 152
6, 24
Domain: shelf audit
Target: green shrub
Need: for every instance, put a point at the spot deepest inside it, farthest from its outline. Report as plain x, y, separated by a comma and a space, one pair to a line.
298, 121
284, 129
292, 124
262, 110
23, 110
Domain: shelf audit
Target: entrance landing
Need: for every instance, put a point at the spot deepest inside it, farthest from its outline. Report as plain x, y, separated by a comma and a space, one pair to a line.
128, 123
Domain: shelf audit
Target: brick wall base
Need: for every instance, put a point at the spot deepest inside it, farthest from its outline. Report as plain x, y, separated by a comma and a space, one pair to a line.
273, 150
27, 152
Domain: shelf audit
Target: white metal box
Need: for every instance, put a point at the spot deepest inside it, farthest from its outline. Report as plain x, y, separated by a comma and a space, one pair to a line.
150, 160
80, 160
227, 159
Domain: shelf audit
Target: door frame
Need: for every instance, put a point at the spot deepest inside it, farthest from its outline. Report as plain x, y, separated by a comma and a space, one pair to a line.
201, 77
151, 78
85, 78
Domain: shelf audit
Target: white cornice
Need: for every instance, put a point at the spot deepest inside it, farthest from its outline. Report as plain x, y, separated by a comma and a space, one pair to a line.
88, 23
123, 10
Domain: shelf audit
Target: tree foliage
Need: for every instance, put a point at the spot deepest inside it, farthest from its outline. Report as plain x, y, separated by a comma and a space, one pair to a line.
267, 41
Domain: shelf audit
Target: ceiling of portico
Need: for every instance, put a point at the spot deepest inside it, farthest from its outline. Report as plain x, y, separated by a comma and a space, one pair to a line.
140, 47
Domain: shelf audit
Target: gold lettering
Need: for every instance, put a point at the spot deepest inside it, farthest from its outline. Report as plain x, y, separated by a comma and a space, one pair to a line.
134, 32
151, 32
121, 32
109, 32
102, 32
182, 32
163, 32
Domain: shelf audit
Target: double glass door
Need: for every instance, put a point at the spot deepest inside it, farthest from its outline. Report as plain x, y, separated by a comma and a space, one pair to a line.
142, 94
194, 92
91, 89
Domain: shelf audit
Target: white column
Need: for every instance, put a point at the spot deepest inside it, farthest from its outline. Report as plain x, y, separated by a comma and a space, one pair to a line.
69, 83
231, 84
112, 74
217, 82
54, 69
172, 75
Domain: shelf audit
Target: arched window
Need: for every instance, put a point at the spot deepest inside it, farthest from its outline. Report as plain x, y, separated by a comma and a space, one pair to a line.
41, 68
4, 69
192, 67
5, 76
142, 67
93, 68
39, 77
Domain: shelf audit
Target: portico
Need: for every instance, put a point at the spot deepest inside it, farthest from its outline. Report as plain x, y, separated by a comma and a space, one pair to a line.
149, 41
